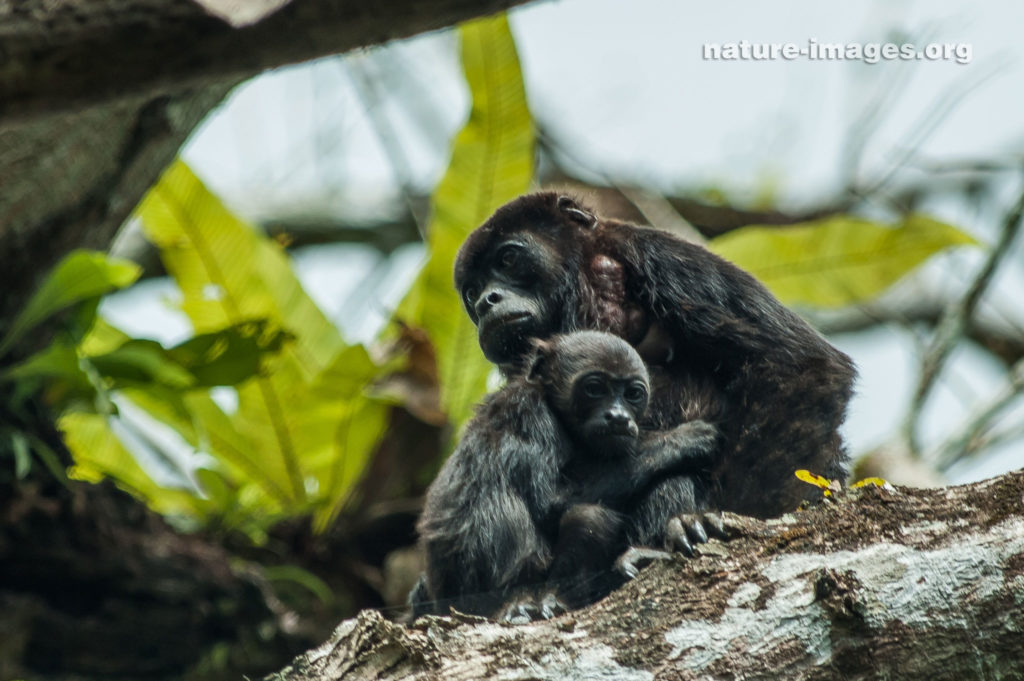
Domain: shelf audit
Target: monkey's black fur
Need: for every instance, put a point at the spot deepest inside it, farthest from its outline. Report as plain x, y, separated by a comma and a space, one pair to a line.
490, 513
720, 347
554, 459
612, 501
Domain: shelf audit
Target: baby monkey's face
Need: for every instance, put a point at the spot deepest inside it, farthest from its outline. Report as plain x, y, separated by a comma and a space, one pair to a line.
607, 408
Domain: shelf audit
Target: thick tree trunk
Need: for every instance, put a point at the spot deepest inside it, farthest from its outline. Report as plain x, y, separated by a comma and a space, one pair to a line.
883, 584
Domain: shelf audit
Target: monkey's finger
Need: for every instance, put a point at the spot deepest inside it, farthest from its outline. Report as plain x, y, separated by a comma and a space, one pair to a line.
626, 566
676, 539
695, 531
520, 612
630, 561
715, 525
551, 606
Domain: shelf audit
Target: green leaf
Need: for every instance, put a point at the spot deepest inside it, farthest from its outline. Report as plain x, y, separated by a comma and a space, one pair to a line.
102, 338
304, 578
229, 274
99, 453
22, 454
491, 163
58, 360
840, 260
227, 271
142, 361
231, 355
279, 452
58, 368
79, 276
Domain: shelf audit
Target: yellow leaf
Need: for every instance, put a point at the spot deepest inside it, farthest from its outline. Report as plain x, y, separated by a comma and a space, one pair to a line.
877, 482
491, 163
812, 479
839, 260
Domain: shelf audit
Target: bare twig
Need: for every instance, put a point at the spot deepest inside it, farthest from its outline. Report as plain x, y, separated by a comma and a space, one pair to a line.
388, 137
659, 211
935, 115
971, 438
954, 321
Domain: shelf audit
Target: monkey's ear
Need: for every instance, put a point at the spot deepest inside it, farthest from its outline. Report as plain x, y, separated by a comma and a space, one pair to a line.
537, 361
573, 211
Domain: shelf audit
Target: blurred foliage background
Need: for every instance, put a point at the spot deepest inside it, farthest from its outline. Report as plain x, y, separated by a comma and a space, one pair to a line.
303, 450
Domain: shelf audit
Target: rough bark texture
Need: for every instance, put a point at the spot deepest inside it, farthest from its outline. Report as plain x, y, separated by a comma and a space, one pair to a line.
60, 55
94, 586
903, 584
69, 180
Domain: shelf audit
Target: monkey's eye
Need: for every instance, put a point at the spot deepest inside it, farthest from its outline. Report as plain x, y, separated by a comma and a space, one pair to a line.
594, 387
635, 393
508, 257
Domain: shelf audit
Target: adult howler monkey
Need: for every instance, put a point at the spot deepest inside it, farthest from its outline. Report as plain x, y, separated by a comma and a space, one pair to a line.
543, 483
719, 346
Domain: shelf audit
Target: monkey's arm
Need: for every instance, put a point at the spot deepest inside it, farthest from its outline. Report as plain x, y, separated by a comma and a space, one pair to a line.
687, 448
684, 450
712, 303
483, 527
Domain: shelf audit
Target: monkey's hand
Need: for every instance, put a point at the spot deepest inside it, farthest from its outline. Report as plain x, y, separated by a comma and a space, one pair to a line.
552, 606
696, 442
526, 607
522, 609
635, 557
688, 448
686, 530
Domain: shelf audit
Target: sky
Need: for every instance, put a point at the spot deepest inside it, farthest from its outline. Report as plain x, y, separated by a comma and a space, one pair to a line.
625, 88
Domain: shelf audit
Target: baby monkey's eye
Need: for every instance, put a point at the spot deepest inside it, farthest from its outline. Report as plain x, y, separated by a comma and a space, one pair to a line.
594, 387
636, 393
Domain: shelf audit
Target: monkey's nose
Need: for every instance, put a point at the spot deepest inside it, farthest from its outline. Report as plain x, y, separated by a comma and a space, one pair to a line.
616, 417
487, 301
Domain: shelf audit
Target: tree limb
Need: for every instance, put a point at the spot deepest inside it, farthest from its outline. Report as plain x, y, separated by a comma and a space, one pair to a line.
63, 55
956, 317
902, 583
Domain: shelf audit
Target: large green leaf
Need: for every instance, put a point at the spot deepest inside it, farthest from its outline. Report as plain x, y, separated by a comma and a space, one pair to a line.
280, 450
227, 271
99, 453
231, 355
840, 260
491, 163
81, 275
355, 430
224, 357
229, 274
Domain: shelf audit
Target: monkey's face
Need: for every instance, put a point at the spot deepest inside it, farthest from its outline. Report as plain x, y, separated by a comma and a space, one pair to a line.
522, 275
607, 408
507, 293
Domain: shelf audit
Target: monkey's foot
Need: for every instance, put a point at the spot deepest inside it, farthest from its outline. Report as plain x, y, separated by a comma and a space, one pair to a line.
552, 606
635, 557
688, 529
521, 610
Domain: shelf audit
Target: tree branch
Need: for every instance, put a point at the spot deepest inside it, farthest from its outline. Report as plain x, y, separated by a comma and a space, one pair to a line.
955, 319
970, 440
902, 583
64, 55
